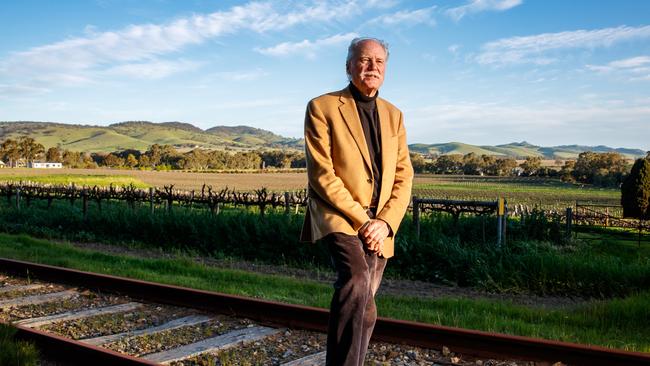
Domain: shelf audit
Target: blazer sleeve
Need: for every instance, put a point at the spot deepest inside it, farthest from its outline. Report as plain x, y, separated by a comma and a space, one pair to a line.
395, 208
321, 175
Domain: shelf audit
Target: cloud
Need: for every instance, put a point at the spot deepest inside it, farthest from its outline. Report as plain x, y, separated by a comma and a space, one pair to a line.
156, 69
596, 122
130, 49
20, 90
637, 68
477, 6
534, 49
248, 75
306, 47
410, 18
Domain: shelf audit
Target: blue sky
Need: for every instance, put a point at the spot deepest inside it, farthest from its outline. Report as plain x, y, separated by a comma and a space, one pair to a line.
475, 71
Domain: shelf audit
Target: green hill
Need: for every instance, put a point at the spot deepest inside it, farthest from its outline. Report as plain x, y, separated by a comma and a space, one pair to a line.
139, 135
521, 150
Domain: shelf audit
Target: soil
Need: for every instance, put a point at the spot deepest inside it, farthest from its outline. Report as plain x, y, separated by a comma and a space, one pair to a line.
389, 286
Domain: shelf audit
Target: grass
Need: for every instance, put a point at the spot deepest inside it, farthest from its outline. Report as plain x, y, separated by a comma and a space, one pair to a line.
536, 259
618, 323
87, 180
546, 193
13, 352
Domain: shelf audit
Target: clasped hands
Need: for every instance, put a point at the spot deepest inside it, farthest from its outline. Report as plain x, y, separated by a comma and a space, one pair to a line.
373, 233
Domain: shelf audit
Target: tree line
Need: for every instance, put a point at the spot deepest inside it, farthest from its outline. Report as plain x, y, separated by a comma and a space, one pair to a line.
607, 169
603, 169
157, 157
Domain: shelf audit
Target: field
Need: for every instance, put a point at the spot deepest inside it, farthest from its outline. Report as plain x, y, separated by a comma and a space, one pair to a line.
540, 192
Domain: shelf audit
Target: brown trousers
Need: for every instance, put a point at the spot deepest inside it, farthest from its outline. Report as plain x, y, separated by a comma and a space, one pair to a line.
352, 312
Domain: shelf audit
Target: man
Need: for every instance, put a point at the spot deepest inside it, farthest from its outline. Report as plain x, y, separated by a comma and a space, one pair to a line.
359, 176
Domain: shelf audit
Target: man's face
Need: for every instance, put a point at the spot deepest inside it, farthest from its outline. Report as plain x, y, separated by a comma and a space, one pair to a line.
367, 67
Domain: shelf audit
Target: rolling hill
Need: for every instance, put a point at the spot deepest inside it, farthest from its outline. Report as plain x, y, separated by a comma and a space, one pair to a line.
140, 135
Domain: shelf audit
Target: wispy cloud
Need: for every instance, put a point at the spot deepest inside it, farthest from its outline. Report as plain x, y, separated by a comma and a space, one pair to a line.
467, 121
247, 75
156, 69
636, 68
477, 6
129, 50
534, 49
306, 47
406, 17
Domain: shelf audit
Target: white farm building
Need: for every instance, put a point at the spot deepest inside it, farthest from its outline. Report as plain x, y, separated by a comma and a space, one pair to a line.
46, 165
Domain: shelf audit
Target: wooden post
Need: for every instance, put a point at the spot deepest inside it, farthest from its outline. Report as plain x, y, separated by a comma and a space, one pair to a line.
606, 216
505, 221
569, 222
151, 200
500, 212
18, 198
416, 216
84, 200
287, 203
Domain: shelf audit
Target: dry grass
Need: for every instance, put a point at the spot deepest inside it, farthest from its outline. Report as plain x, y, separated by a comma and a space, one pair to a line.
184, 180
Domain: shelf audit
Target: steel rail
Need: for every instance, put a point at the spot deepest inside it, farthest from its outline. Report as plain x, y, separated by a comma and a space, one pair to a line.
76, 353
471, 342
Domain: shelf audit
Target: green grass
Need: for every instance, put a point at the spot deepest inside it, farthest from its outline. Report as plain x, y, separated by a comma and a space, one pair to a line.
545, 193
13, 352
87, 180
536, 258
619, 323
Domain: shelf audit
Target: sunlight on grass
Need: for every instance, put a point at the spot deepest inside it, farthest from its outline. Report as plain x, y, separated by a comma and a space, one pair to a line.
619, 323
79, 180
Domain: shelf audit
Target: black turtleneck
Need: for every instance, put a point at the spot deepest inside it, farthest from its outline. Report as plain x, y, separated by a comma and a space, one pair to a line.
367, 109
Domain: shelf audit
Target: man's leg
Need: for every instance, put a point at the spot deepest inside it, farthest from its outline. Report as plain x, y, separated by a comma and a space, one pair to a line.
376, 267
352, 290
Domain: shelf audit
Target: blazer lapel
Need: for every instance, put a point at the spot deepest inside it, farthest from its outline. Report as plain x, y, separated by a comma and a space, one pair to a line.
351, 117
387, 148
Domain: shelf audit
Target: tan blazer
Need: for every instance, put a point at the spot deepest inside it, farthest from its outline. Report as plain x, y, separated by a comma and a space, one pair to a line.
340, 173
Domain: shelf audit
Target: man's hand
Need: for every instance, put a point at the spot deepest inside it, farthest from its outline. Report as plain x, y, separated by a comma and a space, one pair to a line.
373, 234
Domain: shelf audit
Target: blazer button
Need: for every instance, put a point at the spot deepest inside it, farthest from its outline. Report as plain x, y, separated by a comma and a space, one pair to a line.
369, 180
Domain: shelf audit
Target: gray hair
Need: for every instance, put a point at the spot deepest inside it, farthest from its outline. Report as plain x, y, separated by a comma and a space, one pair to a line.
354, 48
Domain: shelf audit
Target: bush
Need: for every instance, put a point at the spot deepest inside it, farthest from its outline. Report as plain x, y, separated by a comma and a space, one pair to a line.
635, 191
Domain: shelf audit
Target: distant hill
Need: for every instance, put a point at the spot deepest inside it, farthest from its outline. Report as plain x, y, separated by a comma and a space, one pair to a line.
140, 135
521, 150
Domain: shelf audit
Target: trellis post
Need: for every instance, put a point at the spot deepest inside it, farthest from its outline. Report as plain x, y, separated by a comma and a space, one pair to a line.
151, 200
416, 216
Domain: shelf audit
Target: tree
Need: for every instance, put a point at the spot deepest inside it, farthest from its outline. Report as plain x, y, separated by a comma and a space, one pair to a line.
449, 164
418, 163
53, 155
131, 161
113, 161
635, 191
505, 166
29, 148
531, 165
10, 151
472, 164
604, 169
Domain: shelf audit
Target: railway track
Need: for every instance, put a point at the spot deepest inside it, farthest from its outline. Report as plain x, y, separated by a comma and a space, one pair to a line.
87, 318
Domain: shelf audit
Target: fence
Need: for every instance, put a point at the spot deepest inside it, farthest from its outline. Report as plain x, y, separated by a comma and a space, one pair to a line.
212, 199
589, 216
456, 208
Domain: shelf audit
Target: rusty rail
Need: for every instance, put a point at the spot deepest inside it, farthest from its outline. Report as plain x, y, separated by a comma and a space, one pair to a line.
476, 343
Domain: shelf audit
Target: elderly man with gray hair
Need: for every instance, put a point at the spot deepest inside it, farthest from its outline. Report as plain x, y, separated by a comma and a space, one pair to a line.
360, 178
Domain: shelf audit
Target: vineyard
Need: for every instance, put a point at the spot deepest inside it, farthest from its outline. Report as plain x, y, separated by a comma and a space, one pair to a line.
525, 193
